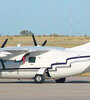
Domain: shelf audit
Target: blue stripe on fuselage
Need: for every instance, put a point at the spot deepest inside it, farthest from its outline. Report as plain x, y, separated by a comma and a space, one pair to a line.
64, 63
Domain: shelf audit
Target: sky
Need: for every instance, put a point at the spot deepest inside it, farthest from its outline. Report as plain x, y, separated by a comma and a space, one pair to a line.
64, 17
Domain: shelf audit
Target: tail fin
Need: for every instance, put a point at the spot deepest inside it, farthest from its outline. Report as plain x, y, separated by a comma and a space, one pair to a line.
85, 47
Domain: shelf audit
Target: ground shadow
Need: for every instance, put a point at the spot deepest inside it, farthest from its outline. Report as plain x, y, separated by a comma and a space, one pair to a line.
46, 82
77, 82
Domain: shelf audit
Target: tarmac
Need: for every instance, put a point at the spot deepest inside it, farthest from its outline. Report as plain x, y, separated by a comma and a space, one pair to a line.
75, 88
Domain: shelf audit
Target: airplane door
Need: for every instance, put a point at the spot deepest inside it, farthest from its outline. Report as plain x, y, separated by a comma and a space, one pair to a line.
32, 61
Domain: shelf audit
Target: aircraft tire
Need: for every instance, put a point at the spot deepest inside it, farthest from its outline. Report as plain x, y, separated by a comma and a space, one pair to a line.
39, 78
61, 80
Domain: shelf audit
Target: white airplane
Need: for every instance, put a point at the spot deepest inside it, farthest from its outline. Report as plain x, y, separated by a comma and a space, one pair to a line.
41, 62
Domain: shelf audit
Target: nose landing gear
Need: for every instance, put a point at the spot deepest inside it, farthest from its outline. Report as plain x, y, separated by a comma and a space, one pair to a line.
39, 78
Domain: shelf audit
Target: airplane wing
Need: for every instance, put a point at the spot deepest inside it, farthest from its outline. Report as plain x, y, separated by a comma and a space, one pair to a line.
17, 55
4, 53
38, 52
14, 55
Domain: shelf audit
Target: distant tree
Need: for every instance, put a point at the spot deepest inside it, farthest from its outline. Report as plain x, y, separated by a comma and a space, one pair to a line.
26, 33
30, 33
44, 35
85, 35
55, 35
39, 35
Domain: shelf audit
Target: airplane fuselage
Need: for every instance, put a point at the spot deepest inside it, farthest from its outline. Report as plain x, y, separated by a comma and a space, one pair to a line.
59, 63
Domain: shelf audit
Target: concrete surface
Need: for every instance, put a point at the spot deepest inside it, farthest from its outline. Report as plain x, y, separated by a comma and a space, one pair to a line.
75, 88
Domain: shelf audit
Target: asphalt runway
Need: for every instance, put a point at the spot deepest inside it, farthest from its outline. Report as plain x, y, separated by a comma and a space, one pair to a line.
75, 88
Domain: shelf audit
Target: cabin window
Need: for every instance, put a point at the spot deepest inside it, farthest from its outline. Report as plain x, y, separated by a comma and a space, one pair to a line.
32, 59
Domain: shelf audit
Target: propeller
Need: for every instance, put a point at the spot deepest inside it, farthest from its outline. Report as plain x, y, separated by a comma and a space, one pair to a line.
35, 42
4, 43
44, 43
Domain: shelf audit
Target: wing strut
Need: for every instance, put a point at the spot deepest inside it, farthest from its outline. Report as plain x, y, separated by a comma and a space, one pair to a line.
3, 64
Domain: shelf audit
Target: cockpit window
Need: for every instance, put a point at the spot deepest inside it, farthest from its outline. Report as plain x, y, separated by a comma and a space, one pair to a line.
32, 59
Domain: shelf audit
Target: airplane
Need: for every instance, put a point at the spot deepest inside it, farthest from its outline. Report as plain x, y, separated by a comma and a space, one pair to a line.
40, 62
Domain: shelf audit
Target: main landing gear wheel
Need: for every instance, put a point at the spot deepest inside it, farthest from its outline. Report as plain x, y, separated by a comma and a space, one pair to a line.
39, 78
61, 80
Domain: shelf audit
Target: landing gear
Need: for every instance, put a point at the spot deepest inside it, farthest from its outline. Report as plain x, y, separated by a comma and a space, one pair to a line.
61, 80
39, 78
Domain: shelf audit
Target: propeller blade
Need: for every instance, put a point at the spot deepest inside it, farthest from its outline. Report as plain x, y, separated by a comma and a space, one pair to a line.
4, 43
44, 43
34, 40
